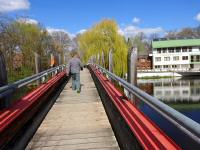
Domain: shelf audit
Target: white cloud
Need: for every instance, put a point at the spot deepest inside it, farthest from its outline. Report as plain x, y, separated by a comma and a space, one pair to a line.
198, 17
131, 31
27, 20
136, 20
12, 5
51, 30
81, 31
121, 32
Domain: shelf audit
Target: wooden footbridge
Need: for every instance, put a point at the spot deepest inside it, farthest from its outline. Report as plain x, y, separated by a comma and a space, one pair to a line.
101, 117
76, 121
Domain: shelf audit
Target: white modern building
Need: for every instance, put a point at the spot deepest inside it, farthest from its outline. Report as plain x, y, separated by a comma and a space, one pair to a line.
181, 54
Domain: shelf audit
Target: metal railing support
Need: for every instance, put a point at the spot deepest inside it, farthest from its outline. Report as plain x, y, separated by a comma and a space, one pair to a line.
11, 88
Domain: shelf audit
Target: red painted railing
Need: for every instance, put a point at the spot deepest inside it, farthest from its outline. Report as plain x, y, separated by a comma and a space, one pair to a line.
150, 136
12, 119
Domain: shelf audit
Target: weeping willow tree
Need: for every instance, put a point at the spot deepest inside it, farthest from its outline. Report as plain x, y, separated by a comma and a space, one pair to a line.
103, 37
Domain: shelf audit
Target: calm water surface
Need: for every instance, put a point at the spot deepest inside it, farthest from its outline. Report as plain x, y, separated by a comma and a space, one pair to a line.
182, 94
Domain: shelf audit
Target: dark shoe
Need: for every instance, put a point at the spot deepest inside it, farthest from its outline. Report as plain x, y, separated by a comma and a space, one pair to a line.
78, 91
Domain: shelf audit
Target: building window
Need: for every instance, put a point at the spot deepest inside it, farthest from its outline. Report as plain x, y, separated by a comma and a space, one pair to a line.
177, 93
184, 49
195, 58
185, 92
190, 49
158, 58
192, 58
175, 58
159, 50
198, 58
157, 66
167, 93
165, 66
178, 49
158, 92
184, 66
184, 57
171, 51
166, 58
164, 50
174, 66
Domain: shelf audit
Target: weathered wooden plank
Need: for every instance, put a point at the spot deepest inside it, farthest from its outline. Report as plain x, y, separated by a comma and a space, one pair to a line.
76, 121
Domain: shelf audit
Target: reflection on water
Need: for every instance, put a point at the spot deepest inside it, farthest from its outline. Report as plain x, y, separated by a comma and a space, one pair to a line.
183, 94
173, 90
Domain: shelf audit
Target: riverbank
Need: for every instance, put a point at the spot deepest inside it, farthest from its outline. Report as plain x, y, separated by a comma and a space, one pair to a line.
157, 75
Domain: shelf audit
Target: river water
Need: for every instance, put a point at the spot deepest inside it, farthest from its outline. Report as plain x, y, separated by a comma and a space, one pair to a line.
182, 94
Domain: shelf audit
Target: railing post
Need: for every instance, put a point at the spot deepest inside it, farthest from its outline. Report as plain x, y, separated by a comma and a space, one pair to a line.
3, 71
37, 65
111, 60
133, 66
4, 102
132, 69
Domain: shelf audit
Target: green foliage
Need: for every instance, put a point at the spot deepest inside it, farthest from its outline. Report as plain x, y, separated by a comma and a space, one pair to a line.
19, 74
18, 37
141, 44
104, 37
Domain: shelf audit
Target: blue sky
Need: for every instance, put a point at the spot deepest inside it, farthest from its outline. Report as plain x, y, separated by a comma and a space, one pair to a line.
132, 15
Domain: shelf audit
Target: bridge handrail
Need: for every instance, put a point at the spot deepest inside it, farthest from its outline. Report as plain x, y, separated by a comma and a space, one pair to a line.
7, 89
182, 122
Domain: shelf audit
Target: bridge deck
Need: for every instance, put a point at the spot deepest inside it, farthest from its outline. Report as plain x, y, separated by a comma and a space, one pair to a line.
76, 121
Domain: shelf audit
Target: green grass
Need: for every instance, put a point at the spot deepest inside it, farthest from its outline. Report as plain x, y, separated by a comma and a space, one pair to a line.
21, 74
185, 106
14, 76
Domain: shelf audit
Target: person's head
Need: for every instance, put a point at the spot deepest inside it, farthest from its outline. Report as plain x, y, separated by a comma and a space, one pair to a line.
75, 54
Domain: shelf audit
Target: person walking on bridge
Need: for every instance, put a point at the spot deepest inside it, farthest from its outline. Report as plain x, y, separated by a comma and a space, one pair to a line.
75, 66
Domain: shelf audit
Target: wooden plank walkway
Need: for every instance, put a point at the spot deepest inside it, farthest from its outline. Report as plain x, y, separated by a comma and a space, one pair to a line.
75, 122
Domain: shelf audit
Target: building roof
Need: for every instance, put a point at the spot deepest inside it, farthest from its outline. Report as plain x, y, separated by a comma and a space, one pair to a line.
176, 43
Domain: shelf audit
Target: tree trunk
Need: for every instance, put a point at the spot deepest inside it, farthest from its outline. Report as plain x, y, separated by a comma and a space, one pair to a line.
111, 60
